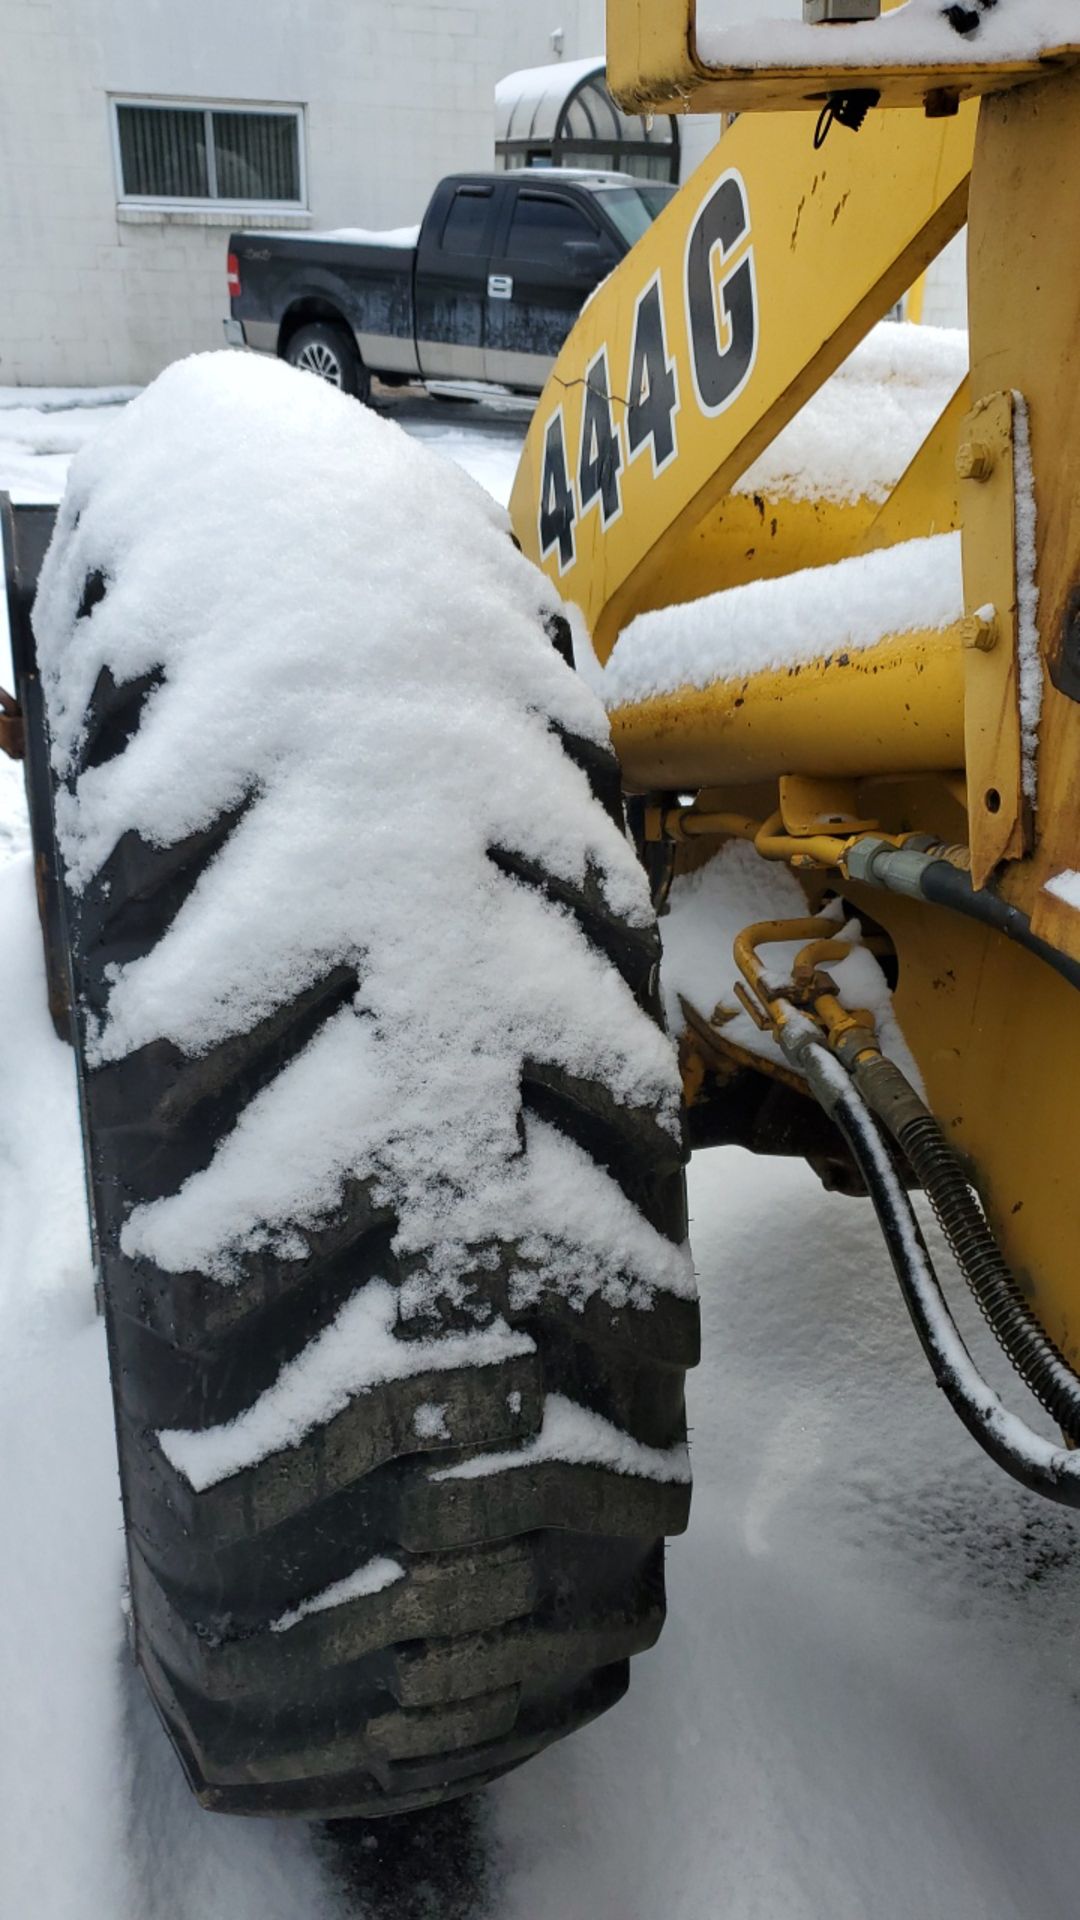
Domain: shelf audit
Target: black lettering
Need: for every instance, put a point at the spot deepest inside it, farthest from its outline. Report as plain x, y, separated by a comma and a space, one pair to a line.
722, 318
600, 461
556, 497
650, 413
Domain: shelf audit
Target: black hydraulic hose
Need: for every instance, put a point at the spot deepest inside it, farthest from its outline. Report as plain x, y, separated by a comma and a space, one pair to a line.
1037, 1463
949, 886
1041, 1366
923, 874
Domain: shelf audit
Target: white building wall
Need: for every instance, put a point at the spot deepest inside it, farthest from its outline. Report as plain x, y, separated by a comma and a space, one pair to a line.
945, 294
525, 34
394, 97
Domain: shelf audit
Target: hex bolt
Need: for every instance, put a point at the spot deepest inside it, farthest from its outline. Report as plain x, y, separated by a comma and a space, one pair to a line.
979, 630
974, 460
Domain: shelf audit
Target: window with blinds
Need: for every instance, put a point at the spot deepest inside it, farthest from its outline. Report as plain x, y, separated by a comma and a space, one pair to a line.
233, 154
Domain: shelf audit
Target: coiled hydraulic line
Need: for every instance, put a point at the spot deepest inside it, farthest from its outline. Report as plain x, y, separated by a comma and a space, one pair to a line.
839, 1054
1037, 1463
1043, 1369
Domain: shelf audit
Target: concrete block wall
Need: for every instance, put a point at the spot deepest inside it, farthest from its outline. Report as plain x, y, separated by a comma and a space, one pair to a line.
90, 292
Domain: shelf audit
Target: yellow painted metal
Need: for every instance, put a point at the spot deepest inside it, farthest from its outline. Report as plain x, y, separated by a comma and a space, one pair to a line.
753, 536
926, 498
997, 1037
894, 708
772, 1009
995, 1032
992, 752
1025, 330
896, 703
654, 65
809, 806
828, 243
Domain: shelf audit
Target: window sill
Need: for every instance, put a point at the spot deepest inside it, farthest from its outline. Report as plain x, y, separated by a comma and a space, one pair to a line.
210, 217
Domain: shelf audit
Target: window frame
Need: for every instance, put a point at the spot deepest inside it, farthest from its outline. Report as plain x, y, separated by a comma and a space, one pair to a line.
213, 202
468, 190
548, 193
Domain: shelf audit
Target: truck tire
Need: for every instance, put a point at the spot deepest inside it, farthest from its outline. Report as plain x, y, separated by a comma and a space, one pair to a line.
329, 353
453, 1568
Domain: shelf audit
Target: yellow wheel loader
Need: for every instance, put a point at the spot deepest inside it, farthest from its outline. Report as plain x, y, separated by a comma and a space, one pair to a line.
351, 911
880, 701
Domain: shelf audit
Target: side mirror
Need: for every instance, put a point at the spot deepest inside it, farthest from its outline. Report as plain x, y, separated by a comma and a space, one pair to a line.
585, 252
589, 260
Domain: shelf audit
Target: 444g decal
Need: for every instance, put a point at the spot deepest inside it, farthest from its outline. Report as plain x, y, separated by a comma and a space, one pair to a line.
720, 302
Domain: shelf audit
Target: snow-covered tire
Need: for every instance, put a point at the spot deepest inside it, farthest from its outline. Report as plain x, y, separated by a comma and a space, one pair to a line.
446, 1555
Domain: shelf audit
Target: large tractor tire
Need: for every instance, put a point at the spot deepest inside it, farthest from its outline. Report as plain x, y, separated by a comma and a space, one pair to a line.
382, 1133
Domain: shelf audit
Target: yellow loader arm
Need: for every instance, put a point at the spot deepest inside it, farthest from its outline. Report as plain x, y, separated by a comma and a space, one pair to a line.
751, 288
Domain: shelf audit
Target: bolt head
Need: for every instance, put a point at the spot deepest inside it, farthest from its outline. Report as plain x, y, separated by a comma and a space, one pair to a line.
979, 632
974, 460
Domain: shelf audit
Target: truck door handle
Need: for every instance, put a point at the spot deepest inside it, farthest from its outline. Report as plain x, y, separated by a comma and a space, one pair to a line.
500, 286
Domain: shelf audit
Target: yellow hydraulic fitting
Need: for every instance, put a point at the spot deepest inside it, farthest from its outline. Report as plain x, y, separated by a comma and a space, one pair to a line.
852, 1031
813, 850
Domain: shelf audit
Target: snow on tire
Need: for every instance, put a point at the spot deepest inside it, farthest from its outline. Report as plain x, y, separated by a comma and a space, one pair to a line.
383, 1133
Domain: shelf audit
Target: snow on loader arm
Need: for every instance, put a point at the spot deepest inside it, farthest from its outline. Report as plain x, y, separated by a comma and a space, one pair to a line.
383, 1133
851, 738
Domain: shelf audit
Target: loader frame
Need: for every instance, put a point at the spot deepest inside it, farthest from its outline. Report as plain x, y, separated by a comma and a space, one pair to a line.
747, 294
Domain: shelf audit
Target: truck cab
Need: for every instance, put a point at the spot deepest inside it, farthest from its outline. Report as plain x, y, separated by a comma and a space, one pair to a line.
505, 265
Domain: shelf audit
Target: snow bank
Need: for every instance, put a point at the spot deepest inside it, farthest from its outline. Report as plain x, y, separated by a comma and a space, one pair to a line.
380, 695
859, 432
14, 820
62, 399
917, 34
579, 1437
915, 586
40, 429
61, 1628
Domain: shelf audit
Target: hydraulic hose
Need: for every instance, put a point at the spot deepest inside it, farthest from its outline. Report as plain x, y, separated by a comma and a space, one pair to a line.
1037, 1463
923, 874
1037, 1360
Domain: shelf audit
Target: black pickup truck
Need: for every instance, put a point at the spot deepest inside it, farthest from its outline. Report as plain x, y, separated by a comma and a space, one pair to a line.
486, 289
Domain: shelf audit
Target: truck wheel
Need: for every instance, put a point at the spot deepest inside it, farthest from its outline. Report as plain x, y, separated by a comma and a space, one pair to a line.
328, 352
397, 1454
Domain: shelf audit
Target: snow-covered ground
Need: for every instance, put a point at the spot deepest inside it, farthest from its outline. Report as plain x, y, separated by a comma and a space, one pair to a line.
40, 429
866, 1703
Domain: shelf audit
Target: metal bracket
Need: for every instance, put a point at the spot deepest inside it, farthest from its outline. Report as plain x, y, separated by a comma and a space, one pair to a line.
812, 806
656, 61
985, 464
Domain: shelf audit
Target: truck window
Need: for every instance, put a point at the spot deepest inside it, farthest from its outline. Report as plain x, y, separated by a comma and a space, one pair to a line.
541, 227
633, 209
466, 220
